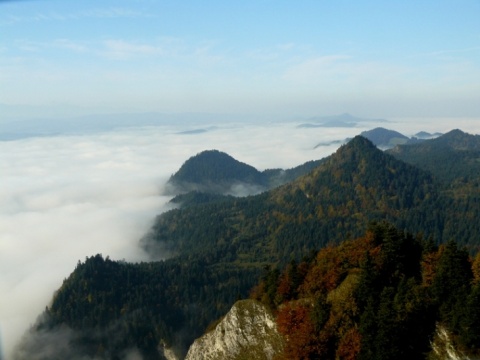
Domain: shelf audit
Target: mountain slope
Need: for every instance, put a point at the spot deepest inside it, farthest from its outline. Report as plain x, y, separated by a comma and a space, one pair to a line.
454, 161
216, 172
380, 296
385, 138
106, 308
455, 155
357, 184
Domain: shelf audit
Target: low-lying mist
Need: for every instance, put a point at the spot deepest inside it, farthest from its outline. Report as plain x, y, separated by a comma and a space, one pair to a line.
64, 198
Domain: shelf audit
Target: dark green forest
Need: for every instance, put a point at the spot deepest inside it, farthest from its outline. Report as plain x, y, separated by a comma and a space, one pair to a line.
221, 245
113, 306
356, 185
452, 158
213, 171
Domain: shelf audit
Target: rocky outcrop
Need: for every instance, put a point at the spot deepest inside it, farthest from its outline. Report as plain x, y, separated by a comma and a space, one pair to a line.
443, 347
248, 331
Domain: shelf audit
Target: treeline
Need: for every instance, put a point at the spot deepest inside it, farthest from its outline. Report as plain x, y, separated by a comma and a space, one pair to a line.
377, 297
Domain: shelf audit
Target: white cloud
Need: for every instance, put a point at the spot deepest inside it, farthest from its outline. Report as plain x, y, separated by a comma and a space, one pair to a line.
314, 68
70, 45
69, 15
113, 12
179, 55
47, 47
345, 74
121, 49
446, 52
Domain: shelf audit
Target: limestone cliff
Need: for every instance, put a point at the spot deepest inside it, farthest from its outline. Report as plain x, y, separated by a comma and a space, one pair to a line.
443, 347
248, 331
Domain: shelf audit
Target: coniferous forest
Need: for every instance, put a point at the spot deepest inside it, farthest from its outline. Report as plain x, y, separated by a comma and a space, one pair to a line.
362, 255
380, 296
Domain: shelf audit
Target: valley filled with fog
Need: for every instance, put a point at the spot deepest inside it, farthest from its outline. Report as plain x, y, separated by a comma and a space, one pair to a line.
65, 197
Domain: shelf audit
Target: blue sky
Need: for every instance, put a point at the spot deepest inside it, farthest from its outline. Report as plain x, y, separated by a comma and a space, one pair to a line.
280, 58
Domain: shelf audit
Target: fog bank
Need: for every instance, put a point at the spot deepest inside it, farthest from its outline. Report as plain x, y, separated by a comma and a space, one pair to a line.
64, 198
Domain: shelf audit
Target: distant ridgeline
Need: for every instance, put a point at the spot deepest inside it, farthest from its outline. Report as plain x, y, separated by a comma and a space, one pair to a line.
221, 245
387, 139
451, 158
216, 172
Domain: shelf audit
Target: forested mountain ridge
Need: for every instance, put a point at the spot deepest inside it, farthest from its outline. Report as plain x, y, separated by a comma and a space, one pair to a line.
357, 184
454, 161
108, 309
219, 248
387, 139
453, 156
216, 172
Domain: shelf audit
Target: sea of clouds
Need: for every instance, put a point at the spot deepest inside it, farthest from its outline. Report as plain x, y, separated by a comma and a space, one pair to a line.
66, 197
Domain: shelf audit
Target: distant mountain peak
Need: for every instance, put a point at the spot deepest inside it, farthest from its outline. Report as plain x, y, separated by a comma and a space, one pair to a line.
458, 140
357, 147
451, 156
360, 163
456, 134
212, 165
214, 171
385, 138
426, 135
358, 143
342, 120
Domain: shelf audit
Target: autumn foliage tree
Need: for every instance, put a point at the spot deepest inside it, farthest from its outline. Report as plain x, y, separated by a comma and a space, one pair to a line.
376, 297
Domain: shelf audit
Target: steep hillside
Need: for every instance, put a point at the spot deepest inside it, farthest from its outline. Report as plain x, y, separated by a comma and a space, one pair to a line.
381, 296
454, 161
106, 308
357, 184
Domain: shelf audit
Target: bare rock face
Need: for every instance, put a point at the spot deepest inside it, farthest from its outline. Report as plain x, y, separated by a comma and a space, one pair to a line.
443, 347
248, 331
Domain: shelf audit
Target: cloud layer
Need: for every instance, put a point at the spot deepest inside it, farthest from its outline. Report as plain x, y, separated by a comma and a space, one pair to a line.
67, 197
